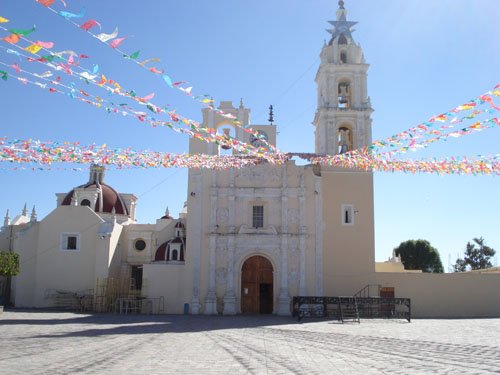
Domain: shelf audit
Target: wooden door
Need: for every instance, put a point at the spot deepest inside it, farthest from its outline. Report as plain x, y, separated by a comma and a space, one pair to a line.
257, 286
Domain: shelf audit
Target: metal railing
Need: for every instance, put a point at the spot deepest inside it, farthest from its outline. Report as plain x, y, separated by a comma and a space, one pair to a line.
368, 307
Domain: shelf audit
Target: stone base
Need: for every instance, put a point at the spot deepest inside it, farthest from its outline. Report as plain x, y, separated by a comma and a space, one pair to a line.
195, 306
284, 306
229, 305
211, 304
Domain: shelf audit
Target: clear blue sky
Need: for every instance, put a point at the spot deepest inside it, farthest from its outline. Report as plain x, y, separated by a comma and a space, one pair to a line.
426, 57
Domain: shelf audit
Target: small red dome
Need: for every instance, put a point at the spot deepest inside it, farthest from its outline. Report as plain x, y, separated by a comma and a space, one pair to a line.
160, 252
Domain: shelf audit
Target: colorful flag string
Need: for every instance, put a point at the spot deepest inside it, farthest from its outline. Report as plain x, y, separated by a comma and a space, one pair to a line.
114, 42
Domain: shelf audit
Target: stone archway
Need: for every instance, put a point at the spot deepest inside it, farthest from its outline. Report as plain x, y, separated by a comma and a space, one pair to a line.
257, 286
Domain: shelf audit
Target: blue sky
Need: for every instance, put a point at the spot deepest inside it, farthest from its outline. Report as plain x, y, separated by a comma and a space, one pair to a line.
426, 57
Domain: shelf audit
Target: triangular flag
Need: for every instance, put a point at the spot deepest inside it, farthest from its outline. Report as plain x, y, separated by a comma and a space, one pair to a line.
33, 48
115, 43
3, 20
46, 2
12, 38
105, 37
22, 32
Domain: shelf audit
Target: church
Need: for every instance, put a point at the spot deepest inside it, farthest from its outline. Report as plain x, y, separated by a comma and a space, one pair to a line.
248, 240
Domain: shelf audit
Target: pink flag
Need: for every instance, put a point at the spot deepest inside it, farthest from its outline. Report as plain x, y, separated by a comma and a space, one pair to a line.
89, 24
115, 43
45, 44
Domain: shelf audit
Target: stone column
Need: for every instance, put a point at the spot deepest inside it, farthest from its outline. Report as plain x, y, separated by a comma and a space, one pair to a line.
195, 248
230, 296
211, 298
284, 295
230, 307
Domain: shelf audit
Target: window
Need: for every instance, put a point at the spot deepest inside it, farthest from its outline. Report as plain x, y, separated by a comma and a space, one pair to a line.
344, 93
136, 276
347, 214
70, 241
174, 255
258, 217
139, 244
343, 57
344, 140
85, 202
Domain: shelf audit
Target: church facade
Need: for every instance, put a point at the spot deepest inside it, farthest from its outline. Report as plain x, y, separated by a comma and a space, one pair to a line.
247, 240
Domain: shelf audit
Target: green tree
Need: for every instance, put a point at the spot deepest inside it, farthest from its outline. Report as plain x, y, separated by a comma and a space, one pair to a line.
9, 266
9, 263
476, 257
419, 255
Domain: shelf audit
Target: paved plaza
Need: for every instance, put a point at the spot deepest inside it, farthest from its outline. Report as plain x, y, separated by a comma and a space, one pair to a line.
35, 342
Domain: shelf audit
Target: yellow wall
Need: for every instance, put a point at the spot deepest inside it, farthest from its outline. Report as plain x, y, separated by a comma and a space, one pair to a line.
348, 249
173, 282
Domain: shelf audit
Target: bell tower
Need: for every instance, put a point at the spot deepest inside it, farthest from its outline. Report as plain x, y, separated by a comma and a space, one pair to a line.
342, 121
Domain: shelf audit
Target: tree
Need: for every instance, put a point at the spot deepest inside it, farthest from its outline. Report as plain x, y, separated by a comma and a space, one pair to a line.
9, 263
419, 255
9, 266
475, 258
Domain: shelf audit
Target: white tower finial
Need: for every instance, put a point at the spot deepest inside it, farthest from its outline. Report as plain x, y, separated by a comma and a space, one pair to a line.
167, 212
25, 210
6, 220
33, 215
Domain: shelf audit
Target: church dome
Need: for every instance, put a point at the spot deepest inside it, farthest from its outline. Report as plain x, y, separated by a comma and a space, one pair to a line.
179, 224
167, 215
160, 252
108, 199
108, 196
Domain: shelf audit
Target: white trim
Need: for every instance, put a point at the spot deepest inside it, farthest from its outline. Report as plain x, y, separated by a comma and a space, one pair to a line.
63, 241
347, 209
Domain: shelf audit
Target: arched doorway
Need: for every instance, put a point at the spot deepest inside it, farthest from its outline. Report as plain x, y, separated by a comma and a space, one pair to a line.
257, 286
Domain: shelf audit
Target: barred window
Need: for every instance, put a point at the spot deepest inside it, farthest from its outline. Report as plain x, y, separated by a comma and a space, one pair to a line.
258, 217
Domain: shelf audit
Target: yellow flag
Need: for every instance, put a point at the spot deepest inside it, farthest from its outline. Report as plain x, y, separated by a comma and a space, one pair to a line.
33, 48
3, 20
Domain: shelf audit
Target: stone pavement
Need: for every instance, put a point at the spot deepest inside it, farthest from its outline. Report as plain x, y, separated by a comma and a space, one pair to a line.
35, 342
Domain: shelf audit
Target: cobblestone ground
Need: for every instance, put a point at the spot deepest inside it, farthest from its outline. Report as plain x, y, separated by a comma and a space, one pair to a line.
34, 342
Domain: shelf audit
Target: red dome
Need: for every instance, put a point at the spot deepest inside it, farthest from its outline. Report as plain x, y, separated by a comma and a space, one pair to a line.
109, 197
160, 252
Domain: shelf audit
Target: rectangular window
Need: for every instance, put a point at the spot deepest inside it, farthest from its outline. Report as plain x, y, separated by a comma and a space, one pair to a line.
70, 241
258, 217
347, 214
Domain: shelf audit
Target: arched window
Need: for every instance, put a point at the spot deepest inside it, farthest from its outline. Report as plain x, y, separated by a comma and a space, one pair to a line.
226, 134
175, 255
344, 95
85, 202
344, 140
343, 57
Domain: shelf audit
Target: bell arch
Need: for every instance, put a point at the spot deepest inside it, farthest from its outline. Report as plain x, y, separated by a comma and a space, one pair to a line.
344, 138
227, 132
344, 93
